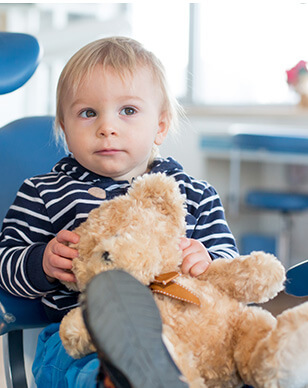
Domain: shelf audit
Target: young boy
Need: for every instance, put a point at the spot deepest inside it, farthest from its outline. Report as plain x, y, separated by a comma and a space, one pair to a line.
113, 110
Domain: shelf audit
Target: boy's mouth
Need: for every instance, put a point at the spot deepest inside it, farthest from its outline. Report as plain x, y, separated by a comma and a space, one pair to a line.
108, 151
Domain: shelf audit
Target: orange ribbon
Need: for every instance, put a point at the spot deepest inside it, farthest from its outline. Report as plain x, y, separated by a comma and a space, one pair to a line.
165, 284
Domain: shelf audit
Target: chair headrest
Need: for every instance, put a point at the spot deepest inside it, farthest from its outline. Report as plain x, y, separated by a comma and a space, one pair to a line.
19, 57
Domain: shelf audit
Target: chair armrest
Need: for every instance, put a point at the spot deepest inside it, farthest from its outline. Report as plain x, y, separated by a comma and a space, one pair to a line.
297, 279
17, 313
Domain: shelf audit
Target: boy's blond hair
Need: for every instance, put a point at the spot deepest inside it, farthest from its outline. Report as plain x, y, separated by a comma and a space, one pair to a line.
123, 55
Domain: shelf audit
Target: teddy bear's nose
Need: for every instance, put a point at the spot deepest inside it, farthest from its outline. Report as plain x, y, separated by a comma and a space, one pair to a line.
106, 256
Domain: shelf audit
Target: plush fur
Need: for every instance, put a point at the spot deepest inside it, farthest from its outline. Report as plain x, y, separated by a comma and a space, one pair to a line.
222, 343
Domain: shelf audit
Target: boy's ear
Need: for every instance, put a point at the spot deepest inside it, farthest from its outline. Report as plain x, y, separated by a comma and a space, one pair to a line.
62, 125
63, 129
163, 127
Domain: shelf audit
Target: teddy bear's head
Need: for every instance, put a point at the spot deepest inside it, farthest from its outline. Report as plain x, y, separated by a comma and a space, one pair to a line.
138, 232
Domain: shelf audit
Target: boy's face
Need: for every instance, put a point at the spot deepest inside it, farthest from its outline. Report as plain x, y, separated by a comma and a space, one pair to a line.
111, 124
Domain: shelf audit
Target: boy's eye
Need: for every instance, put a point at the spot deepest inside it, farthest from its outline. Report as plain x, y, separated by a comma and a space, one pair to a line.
128, 111
87, 113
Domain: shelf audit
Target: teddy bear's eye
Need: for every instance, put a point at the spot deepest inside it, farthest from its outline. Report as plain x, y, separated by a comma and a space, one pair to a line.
106, 256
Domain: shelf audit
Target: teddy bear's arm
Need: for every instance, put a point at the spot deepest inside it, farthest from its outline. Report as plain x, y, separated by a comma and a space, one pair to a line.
255, 278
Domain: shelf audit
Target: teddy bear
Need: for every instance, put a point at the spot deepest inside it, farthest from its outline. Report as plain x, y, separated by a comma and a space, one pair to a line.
217, 333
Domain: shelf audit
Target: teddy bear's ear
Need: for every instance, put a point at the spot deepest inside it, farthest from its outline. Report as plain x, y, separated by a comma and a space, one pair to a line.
160, 191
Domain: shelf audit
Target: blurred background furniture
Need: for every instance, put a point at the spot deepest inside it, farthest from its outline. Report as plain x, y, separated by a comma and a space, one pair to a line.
282, 202
261, 145
26, 149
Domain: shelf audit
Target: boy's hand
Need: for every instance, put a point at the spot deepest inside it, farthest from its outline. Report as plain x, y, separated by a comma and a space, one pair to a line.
57, 258
196, 258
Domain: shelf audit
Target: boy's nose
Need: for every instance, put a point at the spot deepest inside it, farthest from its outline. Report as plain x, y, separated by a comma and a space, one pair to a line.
106, 128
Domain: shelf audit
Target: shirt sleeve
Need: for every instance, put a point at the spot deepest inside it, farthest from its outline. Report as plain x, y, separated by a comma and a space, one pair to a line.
210, 226
25, 233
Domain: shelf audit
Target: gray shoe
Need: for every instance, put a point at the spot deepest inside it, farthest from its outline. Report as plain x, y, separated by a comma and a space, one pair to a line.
125, 326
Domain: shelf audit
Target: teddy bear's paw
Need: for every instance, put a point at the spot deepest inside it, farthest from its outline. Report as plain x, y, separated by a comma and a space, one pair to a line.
74, 335
267, 276
77, 344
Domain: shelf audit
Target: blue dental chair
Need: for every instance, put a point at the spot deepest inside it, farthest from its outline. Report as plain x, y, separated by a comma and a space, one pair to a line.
26, 149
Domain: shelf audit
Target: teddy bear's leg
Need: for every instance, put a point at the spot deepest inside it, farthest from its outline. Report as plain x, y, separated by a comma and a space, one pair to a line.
183, 357
74, 335
274, 357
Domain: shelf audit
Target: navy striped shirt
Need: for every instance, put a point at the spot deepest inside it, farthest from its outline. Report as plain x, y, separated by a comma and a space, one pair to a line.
48, 203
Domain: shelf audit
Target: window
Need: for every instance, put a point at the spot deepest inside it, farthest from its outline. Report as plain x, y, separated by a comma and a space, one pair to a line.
244, 49
164, 29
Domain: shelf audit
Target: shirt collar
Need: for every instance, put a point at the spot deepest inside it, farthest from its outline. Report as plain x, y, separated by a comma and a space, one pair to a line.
69, 166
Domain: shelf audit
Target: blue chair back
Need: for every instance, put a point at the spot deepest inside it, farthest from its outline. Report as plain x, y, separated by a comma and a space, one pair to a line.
27, 148
19, 58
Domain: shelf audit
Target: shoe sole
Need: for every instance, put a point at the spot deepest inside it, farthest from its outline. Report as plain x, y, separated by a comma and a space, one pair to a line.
125, 325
